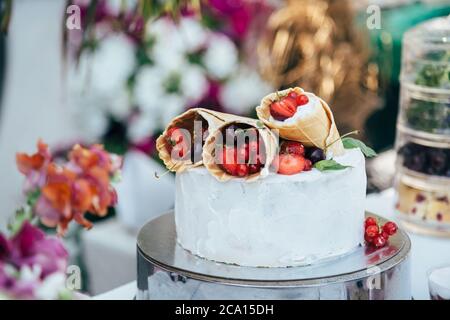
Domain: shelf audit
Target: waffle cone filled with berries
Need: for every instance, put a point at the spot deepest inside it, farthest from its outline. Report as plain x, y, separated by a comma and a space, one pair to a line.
226, 158
302, 117
180, 145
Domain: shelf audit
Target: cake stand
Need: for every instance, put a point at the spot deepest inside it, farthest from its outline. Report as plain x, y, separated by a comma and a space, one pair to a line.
167, 271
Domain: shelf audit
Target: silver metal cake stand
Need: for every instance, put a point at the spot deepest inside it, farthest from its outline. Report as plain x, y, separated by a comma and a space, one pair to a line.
167, 271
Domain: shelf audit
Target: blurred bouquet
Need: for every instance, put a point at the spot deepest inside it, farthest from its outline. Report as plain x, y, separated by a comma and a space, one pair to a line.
32, 264
132, 74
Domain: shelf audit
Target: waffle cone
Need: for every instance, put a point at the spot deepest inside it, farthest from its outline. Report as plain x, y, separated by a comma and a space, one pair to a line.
316, 129
270, 143
186, 121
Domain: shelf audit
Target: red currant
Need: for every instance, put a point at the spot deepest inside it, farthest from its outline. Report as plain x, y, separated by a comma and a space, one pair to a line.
379, 241
390, 228
370, 222
372, 231
368, 239
385, 235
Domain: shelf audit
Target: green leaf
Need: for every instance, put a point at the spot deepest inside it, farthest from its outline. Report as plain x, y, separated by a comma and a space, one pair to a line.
351, 143
22, 215
329, 165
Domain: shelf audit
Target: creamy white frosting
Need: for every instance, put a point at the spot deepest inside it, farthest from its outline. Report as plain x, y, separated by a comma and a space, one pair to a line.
278, 221
302, 111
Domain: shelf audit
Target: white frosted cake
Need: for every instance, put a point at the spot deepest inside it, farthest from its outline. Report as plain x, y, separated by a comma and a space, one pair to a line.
279, 191
278, 221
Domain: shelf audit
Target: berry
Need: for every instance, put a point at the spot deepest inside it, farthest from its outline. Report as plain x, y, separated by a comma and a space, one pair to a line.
390, 228
385, 235
316, 155
372, 231
370, 222
253, 168
175, 135
243, 154
282, 110
290, 164
293, 95
368, 239
302, 100
308, 165
290, 104
177, 143
241, 170
379, 241
292, 147
229, 160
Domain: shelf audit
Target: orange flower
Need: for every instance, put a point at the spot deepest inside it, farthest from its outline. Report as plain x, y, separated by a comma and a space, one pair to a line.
69, 191
82, 157
35, 162
82, 195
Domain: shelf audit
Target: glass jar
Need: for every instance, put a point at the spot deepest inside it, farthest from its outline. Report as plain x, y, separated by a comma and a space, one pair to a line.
423, 129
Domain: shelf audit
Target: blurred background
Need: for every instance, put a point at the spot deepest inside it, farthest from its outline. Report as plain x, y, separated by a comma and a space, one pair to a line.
116, 72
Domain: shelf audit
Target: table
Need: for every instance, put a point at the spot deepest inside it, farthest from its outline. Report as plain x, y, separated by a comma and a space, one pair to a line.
427, 252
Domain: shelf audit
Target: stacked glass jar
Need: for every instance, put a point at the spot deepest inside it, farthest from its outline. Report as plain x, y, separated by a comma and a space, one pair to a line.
423, 129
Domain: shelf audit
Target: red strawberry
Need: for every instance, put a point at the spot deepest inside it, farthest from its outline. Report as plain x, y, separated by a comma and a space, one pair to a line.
302, 100
290, 104
229, 164
177, 142
292, 147
282, 110
290, 164
175, 135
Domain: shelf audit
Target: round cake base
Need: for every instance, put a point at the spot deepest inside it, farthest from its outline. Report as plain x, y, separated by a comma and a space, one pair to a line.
167, 271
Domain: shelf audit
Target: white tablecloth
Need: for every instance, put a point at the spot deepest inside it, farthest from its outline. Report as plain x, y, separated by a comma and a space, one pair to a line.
427, 252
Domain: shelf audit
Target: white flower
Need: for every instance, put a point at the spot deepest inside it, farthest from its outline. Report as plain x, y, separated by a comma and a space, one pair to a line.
120, 105
243, 91
221, 57
142, 126
149, 87
193, 83
193, 34
112, 63
168, 50
115, 7
173, 105
51, 286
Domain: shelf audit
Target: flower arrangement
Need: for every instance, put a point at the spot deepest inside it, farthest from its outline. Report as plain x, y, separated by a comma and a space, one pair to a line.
134, 74
32, 264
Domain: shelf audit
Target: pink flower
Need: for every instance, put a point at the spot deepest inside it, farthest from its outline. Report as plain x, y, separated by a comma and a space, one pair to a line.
30, 249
